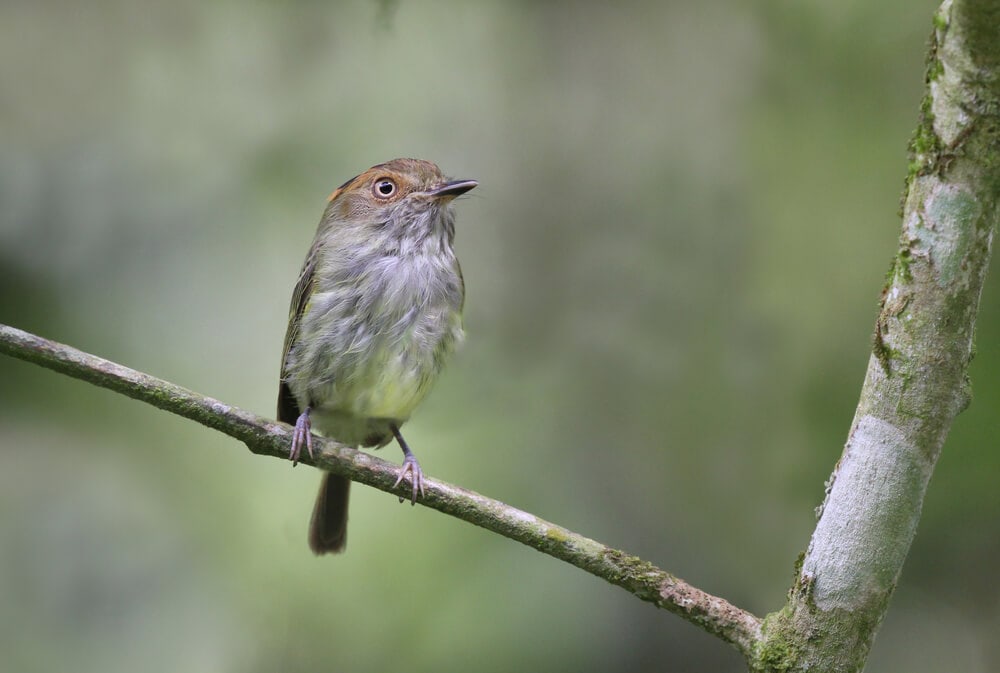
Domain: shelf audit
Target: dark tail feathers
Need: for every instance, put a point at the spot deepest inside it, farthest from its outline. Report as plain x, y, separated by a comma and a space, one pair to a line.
328, 527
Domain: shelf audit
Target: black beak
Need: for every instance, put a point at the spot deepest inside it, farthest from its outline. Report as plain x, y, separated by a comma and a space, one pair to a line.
453, 188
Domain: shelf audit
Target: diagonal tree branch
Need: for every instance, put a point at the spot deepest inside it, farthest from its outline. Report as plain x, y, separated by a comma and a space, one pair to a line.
915, 386
266, 437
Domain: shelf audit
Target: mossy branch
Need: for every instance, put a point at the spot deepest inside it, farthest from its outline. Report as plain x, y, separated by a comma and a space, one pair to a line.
267, 437
915, 386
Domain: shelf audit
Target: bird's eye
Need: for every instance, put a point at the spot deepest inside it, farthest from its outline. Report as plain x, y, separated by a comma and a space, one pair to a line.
384, 188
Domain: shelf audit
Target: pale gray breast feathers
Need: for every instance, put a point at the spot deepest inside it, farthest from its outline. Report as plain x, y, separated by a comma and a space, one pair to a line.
376, 331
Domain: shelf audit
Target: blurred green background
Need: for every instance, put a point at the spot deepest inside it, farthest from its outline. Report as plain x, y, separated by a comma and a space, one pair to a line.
673, 264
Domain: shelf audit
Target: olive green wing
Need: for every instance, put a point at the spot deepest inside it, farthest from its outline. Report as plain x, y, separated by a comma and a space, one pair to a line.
288, 406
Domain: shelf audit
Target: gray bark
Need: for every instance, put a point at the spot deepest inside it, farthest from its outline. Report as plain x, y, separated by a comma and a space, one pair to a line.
917, 375
915, 386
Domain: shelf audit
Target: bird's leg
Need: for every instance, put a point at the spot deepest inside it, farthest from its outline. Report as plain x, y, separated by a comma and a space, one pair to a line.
410, 465
302, 435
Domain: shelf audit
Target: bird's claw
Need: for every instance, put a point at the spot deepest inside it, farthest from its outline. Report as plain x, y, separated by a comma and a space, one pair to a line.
302, 435
411, 465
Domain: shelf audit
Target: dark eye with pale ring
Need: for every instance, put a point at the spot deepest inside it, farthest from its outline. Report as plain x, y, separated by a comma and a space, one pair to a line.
384, 188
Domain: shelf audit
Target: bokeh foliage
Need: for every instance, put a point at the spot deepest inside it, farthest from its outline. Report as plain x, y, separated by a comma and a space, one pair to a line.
673, 262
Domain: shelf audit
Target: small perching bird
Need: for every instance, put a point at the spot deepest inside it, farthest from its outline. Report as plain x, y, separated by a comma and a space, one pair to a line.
375, 314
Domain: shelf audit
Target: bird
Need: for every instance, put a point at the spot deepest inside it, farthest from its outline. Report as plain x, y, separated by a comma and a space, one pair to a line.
374, 316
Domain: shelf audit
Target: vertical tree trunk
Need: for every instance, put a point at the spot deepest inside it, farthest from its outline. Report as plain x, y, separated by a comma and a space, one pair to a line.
917, 375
